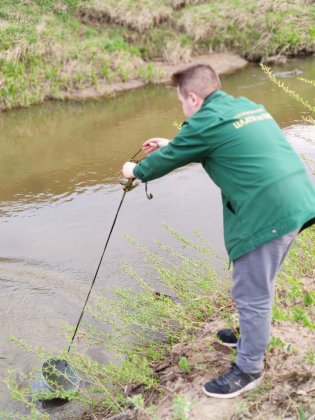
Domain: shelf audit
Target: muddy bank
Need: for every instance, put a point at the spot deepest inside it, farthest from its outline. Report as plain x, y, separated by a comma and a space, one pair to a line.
223, 63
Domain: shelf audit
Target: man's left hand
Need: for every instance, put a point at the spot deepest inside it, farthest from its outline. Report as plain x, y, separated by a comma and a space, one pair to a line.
127, 170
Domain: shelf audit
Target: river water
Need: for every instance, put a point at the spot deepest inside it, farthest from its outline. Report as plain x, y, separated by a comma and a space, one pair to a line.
60, 170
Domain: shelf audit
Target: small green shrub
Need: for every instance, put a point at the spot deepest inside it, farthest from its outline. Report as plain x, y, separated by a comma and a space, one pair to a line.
184, 365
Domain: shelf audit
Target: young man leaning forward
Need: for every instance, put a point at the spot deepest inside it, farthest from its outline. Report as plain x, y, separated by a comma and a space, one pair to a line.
267, 200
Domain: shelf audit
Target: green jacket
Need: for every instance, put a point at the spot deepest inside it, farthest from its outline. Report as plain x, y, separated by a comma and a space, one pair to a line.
266, 191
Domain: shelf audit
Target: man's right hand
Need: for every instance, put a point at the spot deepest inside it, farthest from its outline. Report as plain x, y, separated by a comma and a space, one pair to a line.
151, 145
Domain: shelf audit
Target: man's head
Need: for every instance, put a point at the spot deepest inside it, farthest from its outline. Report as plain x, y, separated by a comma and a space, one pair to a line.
194, 83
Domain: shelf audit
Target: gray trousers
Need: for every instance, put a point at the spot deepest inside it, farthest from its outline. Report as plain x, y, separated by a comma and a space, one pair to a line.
253, 290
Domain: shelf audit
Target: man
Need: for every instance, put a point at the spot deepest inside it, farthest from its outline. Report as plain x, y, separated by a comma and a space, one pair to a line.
266, 194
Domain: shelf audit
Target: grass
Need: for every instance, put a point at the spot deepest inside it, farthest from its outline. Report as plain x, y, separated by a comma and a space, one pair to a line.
126, 13
54, 49
141, 326
181, 407
47, 52
255, 29
295, 295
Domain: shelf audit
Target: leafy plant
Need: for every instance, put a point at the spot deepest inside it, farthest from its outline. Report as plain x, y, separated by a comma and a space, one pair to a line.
181, 407
184, 364
310, 356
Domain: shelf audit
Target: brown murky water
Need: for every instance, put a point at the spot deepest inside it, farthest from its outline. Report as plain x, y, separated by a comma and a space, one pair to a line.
59, 190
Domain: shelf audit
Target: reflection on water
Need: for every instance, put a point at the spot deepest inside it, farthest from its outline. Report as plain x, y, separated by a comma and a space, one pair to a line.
61, 149
59, 169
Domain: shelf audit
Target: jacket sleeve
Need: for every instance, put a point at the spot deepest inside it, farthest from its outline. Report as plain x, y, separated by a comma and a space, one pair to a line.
188, 146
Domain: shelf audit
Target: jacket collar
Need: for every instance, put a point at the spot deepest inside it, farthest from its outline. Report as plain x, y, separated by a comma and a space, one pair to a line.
214, 95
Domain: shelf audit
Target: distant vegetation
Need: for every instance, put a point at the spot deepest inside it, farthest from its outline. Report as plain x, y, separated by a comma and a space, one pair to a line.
49, 49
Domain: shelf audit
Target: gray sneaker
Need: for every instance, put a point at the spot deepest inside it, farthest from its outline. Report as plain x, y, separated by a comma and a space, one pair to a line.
232, 383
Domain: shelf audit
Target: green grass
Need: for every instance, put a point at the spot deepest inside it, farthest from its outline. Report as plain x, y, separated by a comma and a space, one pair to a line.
45, 51
253, 29
52, 49
295, 295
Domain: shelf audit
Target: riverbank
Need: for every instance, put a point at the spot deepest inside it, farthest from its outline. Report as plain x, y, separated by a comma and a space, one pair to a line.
223, 63
287, 391
80, 49
288, 388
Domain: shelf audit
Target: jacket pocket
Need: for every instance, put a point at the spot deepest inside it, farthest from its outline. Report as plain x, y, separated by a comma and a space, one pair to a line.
229, 206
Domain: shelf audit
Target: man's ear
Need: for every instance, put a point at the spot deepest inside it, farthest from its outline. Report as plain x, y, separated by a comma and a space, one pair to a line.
195, 99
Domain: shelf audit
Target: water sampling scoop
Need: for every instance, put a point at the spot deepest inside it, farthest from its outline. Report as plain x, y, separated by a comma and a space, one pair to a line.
57, 377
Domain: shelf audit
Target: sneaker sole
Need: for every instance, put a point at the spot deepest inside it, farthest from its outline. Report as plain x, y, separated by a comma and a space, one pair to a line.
248, 387
227, 344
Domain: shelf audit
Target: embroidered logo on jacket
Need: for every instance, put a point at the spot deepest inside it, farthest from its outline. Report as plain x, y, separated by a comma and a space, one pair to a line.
247, 117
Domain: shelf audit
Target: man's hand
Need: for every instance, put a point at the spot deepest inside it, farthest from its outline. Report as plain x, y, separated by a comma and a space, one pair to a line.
127, 170
151, 145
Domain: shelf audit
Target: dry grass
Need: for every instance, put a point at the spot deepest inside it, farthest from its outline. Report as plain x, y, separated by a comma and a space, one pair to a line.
3, 23
208, 21
21, 50
127, 13
174, 53
254, 28
179, 4
132, 14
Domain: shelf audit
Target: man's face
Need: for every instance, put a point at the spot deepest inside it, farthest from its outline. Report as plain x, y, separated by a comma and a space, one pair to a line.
191, 104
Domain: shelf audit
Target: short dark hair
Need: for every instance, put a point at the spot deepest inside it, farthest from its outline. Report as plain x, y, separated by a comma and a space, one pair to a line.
199, 78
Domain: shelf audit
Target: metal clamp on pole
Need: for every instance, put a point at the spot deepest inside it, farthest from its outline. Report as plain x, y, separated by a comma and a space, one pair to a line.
129, 184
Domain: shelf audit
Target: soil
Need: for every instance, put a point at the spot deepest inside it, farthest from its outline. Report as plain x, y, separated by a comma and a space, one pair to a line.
287, 390
289, 380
